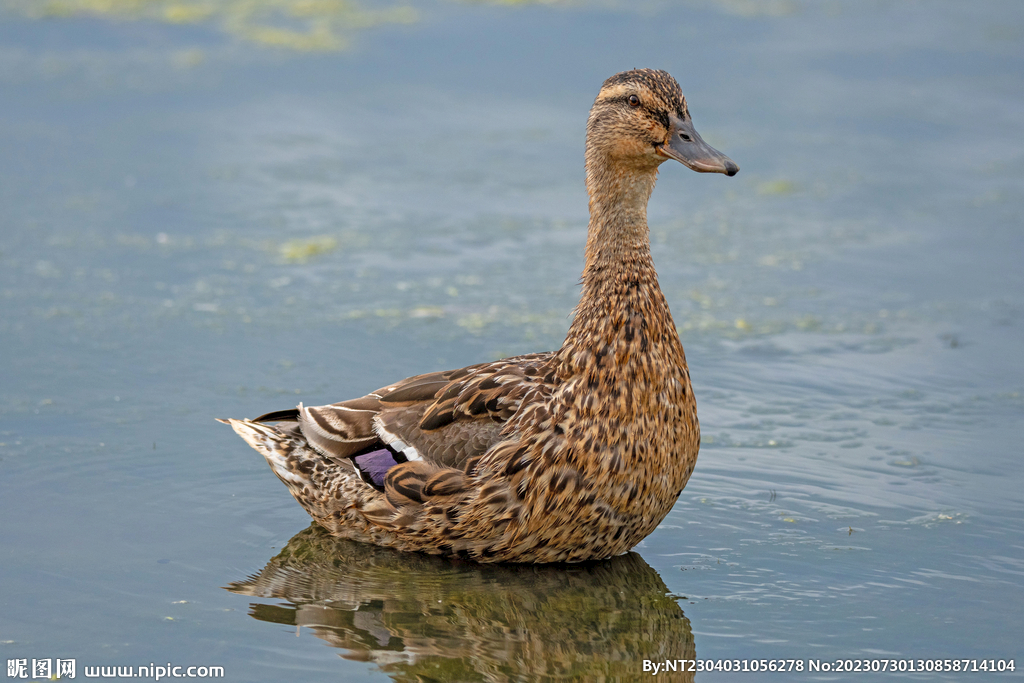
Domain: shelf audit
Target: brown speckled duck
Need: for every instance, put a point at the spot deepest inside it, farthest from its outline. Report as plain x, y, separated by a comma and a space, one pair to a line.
550, 457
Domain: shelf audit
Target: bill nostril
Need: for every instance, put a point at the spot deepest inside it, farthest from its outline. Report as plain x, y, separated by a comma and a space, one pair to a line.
685, 137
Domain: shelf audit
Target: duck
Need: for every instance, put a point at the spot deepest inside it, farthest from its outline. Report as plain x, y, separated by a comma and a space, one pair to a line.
555, 457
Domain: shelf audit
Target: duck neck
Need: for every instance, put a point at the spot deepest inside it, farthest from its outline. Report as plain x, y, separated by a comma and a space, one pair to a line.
618, 239
618, 276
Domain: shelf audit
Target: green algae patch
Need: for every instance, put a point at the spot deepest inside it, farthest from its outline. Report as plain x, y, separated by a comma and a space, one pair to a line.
776, 188
298, 25
302, 250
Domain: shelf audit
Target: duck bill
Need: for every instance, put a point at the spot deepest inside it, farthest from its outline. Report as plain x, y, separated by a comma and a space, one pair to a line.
687, 147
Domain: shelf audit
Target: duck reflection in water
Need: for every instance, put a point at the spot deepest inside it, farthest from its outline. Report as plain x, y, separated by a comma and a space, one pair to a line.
424, 618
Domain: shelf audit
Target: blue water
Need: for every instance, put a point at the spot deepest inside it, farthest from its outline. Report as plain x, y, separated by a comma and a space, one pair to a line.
201, 220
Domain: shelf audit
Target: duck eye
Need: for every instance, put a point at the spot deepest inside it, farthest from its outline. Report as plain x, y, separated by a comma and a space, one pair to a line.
634, 100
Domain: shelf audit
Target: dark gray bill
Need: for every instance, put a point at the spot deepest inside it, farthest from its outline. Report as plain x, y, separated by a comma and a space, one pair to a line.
684, 145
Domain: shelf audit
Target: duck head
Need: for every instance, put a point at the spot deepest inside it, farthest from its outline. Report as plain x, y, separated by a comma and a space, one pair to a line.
640, 120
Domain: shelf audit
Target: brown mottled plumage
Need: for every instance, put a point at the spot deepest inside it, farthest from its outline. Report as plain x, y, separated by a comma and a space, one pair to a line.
551, 457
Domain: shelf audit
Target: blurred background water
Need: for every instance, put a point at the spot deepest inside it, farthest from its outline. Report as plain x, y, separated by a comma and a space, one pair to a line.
217, 208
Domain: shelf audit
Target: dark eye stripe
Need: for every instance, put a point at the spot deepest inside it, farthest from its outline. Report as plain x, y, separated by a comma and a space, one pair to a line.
658, 115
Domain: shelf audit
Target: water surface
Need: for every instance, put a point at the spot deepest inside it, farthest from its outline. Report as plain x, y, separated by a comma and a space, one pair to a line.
219, 209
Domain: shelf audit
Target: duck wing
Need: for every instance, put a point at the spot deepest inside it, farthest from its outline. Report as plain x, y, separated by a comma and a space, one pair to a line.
444, 419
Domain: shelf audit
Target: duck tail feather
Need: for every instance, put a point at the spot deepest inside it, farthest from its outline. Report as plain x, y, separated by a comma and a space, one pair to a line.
284, 454
290, 415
